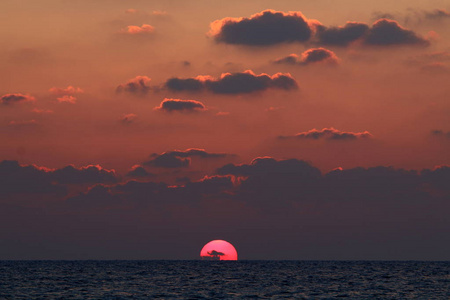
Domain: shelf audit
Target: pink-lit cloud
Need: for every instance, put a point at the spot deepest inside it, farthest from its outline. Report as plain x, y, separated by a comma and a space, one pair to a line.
329, 134
171, 105
8, 99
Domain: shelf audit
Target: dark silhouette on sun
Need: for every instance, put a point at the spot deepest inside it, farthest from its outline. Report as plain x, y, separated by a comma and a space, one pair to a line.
218, 250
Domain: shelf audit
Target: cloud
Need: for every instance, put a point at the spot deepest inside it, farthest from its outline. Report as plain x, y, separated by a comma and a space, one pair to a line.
83, 175
188, 84
329, 134
138, 171
66, 95
216, 253
343, 35
386, 32
8, 99
266, 28
437, 14
42, 111
171, 105
311, 56
159, 13
67, 99
145, 29
269, 165
273, 27
179, 159
70, 90
28, 179
138, 86
441, 133
25, 123
234, 83
128, 118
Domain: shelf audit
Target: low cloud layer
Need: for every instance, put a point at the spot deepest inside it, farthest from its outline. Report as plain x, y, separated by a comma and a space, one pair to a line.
28, 179
171, 105
233, 83
329, 134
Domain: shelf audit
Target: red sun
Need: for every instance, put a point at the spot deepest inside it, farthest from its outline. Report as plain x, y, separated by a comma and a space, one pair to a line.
218, 250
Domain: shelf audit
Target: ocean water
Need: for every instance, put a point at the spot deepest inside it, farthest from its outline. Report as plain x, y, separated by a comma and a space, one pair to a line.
223, 280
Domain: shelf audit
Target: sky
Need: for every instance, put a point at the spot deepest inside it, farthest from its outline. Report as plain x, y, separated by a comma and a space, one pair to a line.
299, 130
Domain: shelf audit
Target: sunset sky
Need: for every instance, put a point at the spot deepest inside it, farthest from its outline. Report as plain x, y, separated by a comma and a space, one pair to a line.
293, 129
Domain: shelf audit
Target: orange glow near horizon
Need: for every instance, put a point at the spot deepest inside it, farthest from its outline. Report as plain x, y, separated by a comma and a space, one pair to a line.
219, 250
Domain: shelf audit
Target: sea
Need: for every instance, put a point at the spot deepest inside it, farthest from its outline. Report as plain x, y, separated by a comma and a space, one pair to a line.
224, 280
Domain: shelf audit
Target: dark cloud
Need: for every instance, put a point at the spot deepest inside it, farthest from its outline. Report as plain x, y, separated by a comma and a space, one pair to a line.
441, 133
315, 55
329, 134
15, 98
234, 83
266, 28
386, 32
216, 253
138, 85
138, 171
341, 36
189, 84
23, 123
437, 14
128, 118
179, 159
171, 105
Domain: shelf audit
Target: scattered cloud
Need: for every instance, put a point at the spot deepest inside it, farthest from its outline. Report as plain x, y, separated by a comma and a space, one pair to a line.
138, 86
329, 134
234, 83
311, 56
441, 133
274, 27
386, 32
437, 14
269, 27
171, 105
67, 99
145, 29
160, 13
8, 99
70, 90
343, 35
66, 95
128, 118
42, 111
25, 123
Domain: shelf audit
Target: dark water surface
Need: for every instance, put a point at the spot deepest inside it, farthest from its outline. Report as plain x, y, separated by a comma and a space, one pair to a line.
241, 279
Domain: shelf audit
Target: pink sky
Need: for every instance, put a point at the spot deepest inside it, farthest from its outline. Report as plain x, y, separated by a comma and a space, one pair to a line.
141, 121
